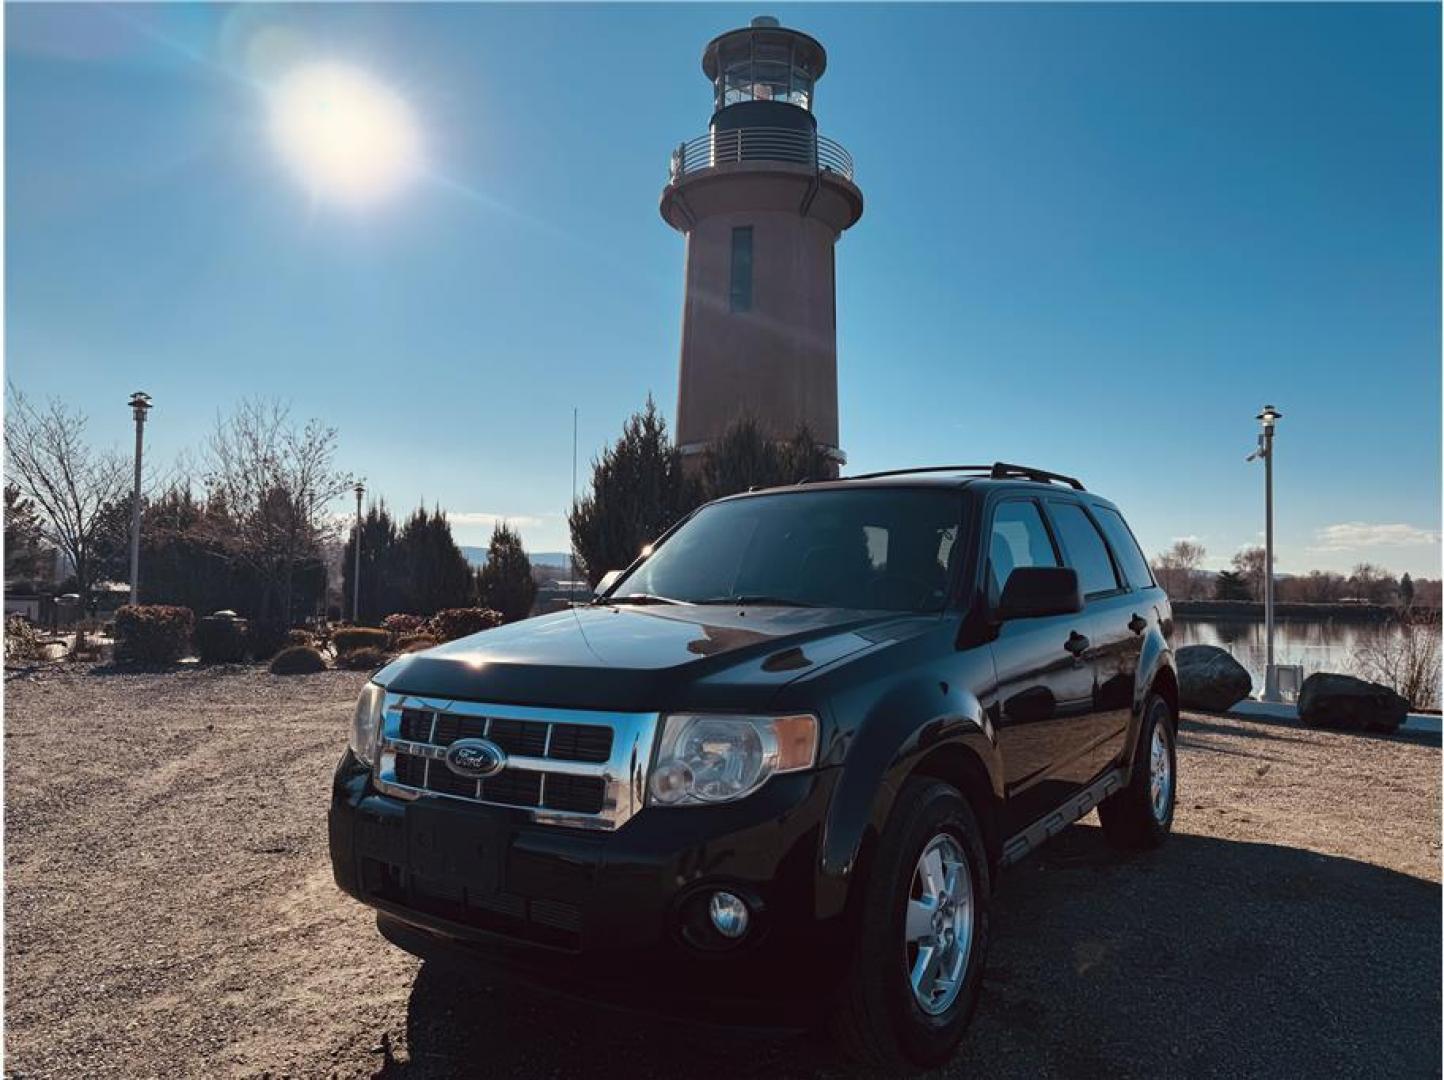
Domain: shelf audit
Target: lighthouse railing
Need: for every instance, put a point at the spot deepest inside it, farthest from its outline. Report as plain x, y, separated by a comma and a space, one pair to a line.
761, 144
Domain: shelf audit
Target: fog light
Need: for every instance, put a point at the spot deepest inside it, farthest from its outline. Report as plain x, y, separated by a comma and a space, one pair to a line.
729, 914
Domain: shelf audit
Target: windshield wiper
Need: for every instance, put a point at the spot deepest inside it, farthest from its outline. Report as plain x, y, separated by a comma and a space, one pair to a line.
758, 600
639, 598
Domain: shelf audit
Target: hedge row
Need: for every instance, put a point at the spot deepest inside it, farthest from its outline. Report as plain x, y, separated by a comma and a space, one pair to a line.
222, 639
160, 634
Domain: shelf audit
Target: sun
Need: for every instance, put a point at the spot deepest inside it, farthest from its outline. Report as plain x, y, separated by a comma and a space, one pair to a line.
348, 137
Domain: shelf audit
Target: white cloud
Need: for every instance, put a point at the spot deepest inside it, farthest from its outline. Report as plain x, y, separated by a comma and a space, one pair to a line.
1361, 535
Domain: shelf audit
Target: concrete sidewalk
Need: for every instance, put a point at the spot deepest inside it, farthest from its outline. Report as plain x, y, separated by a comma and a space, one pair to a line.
1419, 727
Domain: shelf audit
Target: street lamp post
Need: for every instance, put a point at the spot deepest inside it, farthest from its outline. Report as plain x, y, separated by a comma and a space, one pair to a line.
356, 575
1267, 418
139, 406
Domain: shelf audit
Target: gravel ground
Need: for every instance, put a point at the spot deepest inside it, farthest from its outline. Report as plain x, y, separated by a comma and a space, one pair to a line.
170, 912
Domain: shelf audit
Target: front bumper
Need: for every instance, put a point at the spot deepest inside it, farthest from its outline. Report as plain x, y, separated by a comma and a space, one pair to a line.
601, 913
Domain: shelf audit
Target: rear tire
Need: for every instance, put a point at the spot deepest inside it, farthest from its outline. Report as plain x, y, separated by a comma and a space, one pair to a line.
899, 1006
1141, 815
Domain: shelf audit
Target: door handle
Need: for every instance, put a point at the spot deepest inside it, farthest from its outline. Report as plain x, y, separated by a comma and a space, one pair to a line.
1076, 644
1138, 623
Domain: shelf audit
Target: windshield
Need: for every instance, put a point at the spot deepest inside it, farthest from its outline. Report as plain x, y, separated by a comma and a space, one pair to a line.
873, 549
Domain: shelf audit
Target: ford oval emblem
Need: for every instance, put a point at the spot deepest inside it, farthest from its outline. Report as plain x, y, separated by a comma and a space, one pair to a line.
475, 758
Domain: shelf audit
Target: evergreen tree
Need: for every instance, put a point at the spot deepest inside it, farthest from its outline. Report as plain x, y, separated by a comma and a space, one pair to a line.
181, 561
744, 458
1231, 585
505, 583
381, 574
111, 553
1406, 590
23, 541
638, 491
437, 574
804, 458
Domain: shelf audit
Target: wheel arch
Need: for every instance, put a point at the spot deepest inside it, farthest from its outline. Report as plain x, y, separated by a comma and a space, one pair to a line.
1165, 685
960, 765
957, 746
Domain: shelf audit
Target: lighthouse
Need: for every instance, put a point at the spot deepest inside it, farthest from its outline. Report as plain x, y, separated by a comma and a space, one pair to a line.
762, 198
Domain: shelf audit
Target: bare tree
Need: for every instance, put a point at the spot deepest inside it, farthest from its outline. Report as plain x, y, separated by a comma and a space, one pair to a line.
273, 481
1316, 587
1249, 563
1372, 583
1177, 568
72, 484
1403, 655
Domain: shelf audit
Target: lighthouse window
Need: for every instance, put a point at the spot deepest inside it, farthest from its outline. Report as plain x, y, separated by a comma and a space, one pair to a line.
742, 268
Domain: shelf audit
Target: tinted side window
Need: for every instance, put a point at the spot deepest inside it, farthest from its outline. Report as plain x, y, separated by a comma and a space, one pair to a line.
1084, 548
1019, 538
1124, 546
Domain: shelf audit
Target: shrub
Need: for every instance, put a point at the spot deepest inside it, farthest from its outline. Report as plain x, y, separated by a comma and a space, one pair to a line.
401, 624
456, 623
152, 633
22, 643
365, 658
360, 637
220, 640
415, 643
298, 660
300, 639
267, 639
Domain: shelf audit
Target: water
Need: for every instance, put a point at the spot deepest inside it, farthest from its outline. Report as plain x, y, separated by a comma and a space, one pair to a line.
1314, 644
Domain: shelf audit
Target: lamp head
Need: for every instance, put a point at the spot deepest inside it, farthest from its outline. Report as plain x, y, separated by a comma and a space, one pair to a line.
1269, 416
139, 405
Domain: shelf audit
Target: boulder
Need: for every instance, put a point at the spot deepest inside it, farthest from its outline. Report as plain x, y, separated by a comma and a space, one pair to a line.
1341, 701
1209, 678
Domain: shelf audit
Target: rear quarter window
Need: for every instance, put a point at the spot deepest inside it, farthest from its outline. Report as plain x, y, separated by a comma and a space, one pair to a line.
1125, 548
1083, 548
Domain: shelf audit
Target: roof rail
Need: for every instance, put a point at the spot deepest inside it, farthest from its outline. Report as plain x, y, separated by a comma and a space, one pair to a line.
920, 469
999, 470
1003, 471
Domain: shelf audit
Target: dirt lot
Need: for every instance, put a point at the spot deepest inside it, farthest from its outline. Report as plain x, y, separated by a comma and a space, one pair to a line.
169, 911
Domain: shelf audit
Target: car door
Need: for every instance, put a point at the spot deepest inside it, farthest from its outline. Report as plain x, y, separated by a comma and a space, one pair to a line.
1133, 611
1045, 691
1114, 646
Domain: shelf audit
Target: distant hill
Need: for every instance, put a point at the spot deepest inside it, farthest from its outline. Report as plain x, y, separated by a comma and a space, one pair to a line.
561, 559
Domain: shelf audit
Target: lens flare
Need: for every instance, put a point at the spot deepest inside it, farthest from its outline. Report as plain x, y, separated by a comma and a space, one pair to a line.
348, 138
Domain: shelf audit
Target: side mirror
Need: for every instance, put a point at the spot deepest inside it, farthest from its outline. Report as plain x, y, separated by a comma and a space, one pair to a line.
1032, 592
608, 580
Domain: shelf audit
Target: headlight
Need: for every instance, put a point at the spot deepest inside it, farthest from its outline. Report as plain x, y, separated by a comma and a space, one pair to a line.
367, 721
713, 759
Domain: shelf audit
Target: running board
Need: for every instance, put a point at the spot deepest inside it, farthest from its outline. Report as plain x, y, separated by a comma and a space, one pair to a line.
1054, 823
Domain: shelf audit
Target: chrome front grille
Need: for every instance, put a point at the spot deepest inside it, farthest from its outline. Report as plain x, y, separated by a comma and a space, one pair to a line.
566, 767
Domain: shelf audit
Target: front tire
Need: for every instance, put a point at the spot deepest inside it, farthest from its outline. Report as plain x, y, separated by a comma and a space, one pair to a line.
1141, 815
914, 977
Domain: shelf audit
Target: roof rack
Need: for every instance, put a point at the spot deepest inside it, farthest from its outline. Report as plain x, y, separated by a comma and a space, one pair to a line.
998, 470
1004, 471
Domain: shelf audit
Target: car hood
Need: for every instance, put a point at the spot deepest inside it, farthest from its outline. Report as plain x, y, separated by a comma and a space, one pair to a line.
645, 659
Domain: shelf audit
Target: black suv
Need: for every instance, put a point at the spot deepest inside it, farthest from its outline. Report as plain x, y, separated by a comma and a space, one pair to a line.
775, 765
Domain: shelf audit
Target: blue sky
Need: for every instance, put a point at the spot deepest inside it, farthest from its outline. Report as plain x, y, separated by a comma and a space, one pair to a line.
1095, 238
